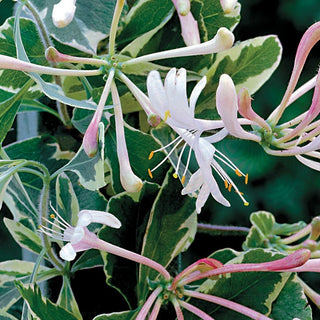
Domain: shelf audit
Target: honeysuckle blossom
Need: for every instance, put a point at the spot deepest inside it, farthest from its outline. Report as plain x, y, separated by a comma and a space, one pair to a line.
79, 238
176, 291
170, 102
189, 26
300, 136
63, 13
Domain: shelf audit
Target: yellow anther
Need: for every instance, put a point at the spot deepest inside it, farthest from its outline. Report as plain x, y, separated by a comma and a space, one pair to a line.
226, 184
229, 187
40, 227
175, 176
246, 203
183, 179
167, 115
52, 216
151, 155
238, 173
150, 173
246, 178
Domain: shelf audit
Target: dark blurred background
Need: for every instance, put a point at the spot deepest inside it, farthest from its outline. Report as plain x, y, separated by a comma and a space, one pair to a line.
282, 186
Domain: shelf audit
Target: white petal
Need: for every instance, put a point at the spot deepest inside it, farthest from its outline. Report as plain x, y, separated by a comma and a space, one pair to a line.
67, 252
89, 216
194, 183
157, 94
77, 235
196, 93
227, 107
309, 163
202, 197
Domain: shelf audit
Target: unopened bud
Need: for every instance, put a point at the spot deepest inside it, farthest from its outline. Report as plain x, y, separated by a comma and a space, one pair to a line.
63, 12
228, 5
183, 7
315, 228
154, 120
90, 139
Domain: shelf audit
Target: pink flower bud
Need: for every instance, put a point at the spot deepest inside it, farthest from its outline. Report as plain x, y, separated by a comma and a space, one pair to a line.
90, 139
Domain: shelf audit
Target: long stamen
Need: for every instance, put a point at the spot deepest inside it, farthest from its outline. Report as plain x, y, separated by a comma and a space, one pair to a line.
166, 158
175, 175
183, 178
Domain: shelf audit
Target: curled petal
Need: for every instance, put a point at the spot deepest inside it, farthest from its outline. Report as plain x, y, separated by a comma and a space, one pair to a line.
196, 93
86, 217
245, 109
67, 252
227, 107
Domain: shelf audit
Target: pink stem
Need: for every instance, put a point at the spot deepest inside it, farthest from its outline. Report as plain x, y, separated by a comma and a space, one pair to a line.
147, 305
227, 304
296, 259
308, 40
110, 248
201, 314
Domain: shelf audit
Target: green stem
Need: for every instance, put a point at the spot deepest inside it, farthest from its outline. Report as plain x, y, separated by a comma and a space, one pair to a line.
43, 207
217, 230
61, 107
114, 26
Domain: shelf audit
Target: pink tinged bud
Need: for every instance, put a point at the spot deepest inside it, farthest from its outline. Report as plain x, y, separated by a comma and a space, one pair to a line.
129, 181
63, 13
312, 113
227, 107
245, 109
90, 139
228, 5
307, 42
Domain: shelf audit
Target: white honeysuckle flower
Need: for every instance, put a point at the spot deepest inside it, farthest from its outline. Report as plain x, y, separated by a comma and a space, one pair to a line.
63, 13
170, 102
79, 238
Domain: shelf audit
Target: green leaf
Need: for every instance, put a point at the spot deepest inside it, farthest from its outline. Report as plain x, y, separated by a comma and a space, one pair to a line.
124, 315
89, 259
171, 229
132, 210
67, 300
9, 108
23, 192
265, 287
28, 105
139, 147
291, 302
135, 22
249, 63
11, 80
22, 270
89, 170
66, 198
211, 17
265, 231
51, 90
90, 25
40, 307
6, 316
25, 237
